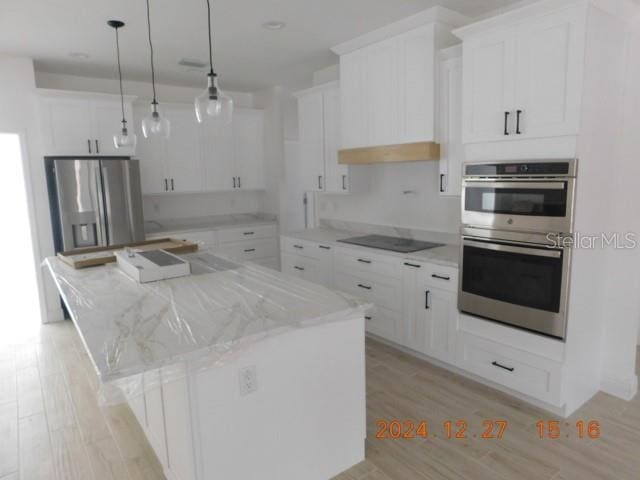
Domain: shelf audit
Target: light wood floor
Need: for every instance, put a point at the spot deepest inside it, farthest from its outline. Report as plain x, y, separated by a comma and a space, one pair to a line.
51, 426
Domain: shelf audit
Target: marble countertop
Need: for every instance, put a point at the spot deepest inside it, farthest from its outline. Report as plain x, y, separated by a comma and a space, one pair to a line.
213, 222
129, 328
447, 255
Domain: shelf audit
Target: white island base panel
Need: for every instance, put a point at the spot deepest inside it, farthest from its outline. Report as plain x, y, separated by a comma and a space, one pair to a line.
305, 419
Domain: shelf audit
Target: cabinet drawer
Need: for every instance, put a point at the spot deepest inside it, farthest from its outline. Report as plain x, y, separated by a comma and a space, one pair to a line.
250, 249
385, 293
530, 374
246, 233
305, 267
442, 277
361, 260
383, 323
437, 276
320, 251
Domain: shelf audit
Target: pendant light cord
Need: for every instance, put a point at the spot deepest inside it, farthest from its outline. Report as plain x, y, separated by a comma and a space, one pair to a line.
124, 121
210, 45
153, 73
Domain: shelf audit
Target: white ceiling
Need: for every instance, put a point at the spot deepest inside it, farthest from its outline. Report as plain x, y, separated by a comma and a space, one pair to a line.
246, 56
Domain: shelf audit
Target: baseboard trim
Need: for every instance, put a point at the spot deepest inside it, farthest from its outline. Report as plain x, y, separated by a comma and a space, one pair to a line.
624, 388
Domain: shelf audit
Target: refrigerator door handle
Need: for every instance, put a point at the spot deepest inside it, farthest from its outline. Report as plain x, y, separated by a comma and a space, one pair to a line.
98, 195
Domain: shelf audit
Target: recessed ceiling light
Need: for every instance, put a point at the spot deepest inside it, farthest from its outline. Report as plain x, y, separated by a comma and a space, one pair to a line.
80, 55
274, 25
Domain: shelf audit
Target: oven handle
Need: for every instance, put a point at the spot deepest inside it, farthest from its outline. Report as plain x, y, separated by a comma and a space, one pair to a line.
519, 185
514, 249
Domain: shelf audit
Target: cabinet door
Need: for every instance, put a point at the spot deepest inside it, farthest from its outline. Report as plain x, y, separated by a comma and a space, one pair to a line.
217, 157
409, 333
178, 425
311, 137
352, 100
549, 60
336, 176
436, 319
154, 405
488, 86
248, 131
381, 92
416, 83
106, 120
451, 148
152, 155
183, 150
66, 126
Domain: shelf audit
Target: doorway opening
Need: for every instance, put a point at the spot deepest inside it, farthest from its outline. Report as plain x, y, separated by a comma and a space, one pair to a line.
18, 278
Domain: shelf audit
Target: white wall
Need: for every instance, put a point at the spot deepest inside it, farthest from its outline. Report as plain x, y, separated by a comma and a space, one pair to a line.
166, 93
387, 202
18, 115
622, 301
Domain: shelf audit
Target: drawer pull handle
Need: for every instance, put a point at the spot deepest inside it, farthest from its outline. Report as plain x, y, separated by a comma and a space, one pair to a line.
249, 250
361, 260
441, 277
248, 233
496, 364
298, 247
324, 247
367, 317
426, 299
366, 287
298, 268
414, 265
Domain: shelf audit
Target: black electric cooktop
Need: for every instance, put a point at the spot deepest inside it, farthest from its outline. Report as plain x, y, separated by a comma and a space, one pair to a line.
394, 244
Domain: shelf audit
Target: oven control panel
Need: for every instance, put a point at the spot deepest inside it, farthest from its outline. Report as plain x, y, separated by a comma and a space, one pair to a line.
561, 168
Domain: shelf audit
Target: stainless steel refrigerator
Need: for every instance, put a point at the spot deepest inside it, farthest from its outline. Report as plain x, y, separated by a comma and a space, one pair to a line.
94, 201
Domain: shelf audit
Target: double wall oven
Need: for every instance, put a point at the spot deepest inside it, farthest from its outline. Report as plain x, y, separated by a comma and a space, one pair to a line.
515, 255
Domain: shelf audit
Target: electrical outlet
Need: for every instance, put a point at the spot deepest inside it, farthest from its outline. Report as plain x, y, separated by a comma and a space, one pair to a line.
248, 380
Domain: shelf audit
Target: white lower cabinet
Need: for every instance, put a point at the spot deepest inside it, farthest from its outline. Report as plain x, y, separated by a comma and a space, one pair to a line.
415, 306
524, 372
257, 244
430, 310
154, 406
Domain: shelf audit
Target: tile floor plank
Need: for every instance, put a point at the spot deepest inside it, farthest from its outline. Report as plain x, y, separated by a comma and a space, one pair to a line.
36, 460
8, 438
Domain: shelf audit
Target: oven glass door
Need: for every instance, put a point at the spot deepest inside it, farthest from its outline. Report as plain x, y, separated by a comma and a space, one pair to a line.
525, 279
517, 198
527, 205
515, 283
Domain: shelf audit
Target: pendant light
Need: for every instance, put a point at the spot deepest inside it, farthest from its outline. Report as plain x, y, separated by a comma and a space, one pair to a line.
213, 105
154, 124
124, 139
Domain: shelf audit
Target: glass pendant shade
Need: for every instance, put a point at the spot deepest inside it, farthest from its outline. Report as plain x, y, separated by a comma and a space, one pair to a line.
155, 125
124, 139
213, 105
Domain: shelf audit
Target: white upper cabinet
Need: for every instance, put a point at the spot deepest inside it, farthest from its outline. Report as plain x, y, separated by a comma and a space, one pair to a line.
82, 124
319, 140
489, 78
152, 155
183, 166
451, 148
311, 139
388, 79
524, 79
352, 100
381, 93
549, 74
202, 157
248, 134
217, 157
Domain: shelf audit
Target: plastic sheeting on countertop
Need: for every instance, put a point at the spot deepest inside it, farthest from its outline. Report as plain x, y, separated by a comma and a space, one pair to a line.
196, 321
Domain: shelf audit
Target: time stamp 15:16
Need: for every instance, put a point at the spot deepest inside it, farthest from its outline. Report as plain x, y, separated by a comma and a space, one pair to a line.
486, 430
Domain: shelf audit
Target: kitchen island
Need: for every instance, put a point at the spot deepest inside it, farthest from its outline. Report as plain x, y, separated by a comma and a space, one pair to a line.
234, 372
